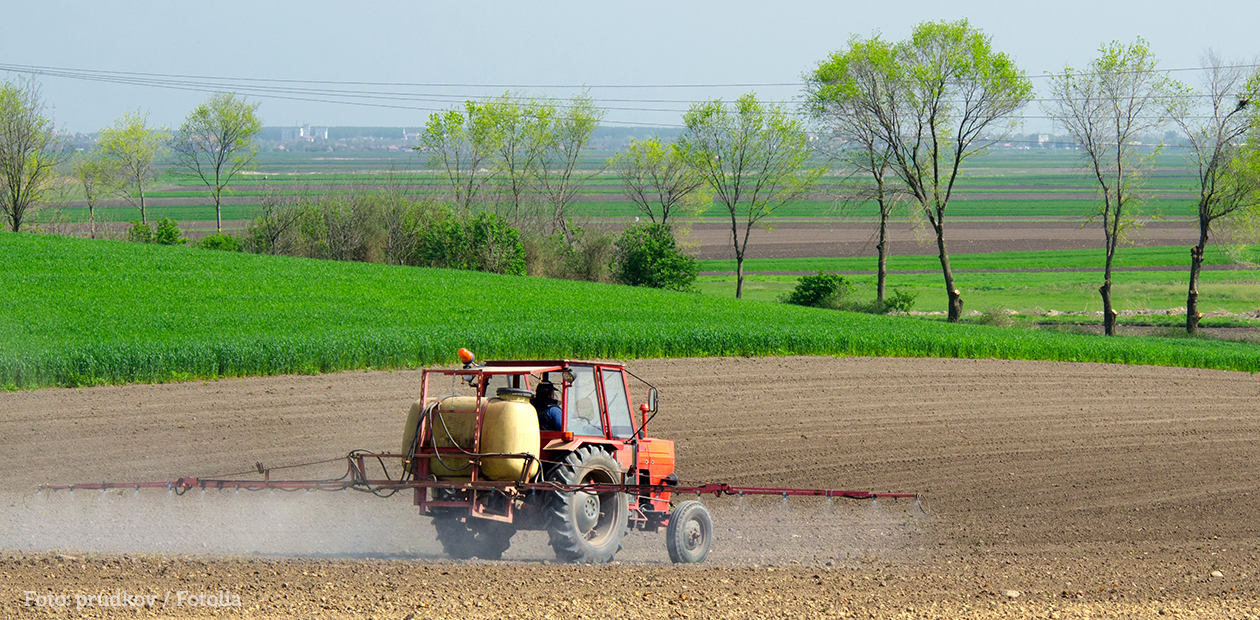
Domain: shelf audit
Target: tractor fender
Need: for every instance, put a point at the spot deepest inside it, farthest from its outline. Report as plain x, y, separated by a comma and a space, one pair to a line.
622, 452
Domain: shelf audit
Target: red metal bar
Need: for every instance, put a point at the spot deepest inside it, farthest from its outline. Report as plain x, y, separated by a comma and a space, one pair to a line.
356, 478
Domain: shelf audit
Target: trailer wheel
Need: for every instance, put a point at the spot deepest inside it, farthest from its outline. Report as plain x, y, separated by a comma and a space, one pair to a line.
469, 537
690, 533
588, 527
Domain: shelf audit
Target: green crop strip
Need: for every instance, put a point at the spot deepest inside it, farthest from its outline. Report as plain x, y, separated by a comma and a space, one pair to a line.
1163, 256
79, 312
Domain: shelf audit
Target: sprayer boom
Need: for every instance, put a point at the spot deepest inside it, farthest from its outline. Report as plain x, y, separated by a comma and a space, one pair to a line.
357, 478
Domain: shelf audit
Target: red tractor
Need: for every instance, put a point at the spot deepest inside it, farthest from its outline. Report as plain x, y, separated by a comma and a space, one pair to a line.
484, 462
586, 482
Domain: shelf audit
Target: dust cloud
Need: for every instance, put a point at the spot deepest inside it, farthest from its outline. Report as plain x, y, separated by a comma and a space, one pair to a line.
315, 524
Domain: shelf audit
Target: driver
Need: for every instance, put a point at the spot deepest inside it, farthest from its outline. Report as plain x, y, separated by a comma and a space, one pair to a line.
550, 417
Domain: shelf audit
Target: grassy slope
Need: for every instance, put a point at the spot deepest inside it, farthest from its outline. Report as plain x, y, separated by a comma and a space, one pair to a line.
78, 312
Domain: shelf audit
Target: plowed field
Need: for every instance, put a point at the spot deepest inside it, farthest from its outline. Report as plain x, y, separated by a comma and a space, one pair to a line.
1053, 490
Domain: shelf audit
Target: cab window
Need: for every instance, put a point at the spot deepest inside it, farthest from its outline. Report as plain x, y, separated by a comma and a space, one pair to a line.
619, 420
581, 410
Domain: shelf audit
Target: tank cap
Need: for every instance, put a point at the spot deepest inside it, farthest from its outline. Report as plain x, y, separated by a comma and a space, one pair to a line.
511, 391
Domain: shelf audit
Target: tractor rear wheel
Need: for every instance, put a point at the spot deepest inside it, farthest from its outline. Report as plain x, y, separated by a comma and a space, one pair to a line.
588, 527
690, 533
468, 537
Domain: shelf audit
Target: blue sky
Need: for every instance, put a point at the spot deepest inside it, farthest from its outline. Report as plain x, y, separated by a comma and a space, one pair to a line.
544, 44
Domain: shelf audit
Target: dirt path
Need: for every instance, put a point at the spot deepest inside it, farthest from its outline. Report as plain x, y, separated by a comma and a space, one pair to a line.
1088, 489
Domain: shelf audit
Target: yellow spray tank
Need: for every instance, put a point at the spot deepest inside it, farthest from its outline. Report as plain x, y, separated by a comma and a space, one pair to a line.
510, 426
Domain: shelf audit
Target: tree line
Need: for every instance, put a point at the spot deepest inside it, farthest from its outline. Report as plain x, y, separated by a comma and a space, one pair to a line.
898, 121
906, 116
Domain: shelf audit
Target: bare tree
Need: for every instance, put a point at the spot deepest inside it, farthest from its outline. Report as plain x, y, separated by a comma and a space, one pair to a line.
656, 178
752, 156
1105, 108
1229, 183
30, 151
273, 231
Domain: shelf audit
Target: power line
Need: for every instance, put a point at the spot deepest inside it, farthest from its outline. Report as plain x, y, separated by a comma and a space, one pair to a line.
292, 90
40, 69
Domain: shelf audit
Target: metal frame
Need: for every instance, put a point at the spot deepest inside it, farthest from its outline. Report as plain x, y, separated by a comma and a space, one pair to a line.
356, 478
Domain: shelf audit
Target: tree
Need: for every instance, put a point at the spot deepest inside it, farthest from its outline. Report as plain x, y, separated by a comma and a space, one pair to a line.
656, 179
933, 101
275, 229
519, 144
30, 151
648, 255
564, 132
132, 149
752, 156
854, 131
96, 178
1228, 178
460, 143
1105, 109
216, 142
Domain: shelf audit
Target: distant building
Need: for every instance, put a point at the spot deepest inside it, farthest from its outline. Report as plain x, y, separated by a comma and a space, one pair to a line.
303, 132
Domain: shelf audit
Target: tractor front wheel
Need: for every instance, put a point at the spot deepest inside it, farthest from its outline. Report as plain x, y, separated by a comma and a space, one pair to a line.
690, 533
588, 527
468, 537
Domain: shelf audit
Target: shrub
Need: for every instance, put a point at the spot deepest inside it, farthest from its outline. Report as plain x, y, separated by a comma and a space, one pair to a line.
221, 241
996, 316
168, 233
485, 242
341, 227
900, 301
825, 290
140, 232
648, 255
585, 255
275, 231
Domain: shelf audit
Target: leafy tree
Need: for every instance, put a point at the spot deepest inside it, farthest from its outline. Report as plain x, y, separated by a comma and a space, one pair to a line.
96, 178
216, 142
132, 149
933, 101
460, 144
564, 132
1105, 108
752, 156
657, 179
519, 145
1228, 165
30, 151
834, 96
648, 255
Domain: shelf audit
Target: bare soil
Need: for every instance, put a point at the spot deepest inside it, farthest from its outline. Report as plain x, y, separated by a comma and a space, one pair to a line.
1052, 490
